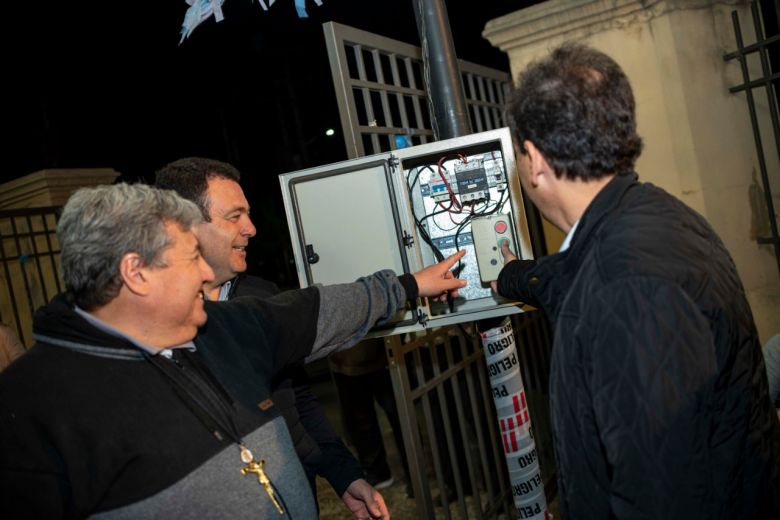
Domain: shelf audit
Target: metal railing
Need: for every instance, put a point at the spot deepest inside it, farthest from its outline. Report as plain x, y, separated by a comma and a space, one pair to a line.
767, 82
29, 266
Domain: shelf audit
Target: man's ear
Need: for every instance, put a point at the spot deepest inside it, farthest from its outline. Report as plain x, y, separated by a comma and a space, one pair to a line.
134, 274
538, 163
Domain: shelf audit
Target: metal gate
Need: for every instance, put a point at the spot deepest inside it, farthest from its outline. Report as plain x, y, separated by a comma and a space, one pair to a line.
29, 266
762, 87
381, 93
453, 446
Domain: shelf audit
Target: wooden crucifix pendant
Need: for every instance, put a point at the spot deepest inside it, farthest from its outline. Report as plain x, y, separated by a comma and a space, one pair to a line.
256, 467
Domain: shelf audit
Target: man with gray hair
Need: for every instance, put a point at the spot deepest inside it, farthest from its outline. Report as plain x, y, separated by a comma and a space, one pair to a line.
132, 405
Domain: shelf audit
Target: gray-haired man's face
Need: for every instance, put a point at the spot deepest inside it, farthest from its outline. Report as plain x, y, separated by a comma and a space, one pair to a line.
175, 297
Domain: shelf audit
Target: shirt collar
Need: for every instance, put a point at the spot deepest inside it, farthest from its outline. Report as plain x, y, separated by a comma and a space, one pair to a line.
105, 327
224, 291
569, 235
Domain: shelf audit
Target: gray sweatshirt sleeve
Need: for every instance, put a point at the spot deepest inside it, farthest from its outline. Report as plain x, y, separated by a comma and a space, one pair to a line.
348, 311
772, 360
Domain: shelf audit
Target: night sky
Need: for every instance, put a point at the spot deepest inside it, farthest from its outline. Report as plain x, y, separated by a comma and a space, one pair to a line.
106, 84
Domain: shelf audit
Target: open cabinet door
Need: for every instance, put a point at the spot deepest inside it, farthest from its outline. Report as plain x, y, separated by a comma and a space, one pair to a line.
345, 224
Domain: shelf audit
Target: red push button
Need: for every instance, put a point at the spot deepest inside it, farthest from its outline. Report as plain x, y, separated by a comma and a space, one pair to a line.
500, 227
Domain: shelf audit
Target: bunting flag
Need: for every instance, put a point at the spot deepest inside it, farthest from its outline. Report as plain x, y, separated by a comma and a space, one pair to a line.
300, 6
200, 10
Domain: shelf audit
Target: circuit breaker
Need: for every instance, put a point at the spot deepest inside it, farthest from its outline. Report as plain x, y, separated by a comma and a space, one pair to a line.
408, 209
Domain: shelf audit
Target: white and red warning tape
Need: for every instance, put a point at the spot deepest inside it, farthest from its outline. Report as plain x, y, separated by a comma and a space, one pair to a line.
515, 422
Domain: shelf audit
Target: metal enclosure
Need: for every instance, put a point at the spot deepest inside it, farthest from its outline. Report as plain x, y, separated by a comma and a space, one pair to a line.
356, 217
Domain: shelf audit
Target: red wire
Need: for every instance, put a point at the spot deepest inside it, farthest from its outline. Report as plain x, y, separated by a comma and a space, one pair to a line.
454, 199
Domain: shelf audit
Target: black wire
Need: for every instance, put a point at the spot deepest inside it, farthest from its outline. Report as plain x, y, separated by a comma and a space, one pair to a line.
427, 239
457, 234
439, 255
419, 222
459, 228
445, 230
499, 203
417, 176
480, 211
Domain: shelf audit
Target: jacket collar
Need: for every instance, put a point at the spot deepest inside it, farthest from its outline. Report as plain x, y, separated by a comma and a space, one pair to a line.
554, 273
603, 204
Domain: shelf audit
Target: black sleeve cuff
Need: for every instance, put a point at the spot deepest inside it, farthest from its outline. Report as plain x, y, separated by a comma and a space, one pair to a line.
511, 278
409, 284
338, 466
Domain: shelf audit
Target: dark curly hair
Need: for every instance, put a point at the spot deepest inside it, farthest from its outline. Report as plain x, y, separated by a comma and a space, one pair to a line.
189, 177
578, 109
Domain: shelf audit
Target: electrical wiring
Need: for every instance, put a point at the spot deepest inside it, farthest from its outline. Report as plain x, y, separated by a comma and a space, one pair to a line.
453, 198
461, 214
417, 175
419, 222
445, 230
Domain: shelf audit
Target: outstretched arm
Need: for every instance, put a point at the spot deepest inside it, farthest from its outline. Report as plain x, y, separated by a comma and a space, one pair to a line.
346, 312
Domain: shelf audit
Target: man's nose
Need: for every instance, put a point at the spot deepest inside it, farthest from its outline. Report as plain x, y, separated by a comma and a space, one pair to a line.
248, 229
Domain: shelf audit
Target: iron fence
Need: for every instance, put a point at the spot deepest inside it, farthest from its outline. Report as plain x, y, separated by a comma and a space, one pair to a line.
453, 446
766, 81
29, 266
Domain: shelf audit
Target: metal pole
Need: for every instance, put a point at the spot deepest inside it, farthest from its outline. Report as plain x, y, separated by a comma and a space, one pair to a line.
446, 100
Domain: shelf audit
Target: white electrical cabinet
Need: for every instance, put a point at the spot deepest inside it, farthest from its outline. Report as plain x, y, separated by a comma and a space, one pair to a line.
405, 210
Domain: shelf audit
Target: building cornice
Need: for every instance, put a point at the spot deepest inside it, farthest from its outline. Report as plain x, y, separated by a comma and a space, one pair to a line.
576, 19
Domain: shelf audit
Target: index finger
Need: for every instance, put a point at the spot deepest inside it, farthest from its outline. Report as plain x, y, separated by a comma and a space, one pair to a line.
451, 260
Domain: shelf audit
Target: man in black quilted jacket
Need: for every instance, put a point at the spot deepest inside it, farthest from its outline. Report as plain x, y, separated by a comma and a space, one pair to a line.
658, 389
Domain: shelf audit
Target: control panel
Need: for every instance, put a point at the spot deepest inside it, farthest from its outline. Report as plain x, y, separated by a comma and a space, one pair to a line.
489, 233
450, 194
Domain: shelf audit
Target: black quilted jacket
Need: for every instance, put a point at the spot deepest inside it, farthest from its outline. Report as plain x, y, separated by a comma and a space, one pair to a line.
658, 391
